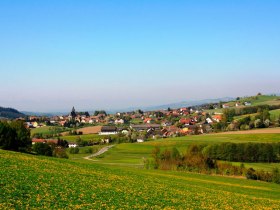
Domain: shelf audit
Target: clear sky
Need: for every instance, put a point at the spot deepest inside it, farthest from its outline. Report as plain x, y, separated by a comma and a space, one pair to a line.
117, 54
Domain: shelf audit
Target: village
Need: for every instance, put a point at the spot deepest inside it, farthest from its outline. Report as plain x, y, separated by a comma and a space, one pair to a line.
135, 126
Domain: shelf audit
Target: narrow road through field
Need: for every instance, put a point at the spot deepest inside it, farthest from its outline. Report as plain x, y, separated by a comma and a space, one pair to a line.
104, 149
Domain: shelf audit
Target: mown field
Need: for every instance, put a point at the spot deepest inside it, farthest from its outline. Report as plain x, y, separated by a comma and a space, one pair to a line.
134, 154
29, 182
85, 137
48, 130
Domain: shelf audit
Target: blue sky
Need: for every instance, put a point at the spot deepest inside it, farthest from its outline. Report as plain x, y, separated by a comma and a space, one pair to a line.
118, 54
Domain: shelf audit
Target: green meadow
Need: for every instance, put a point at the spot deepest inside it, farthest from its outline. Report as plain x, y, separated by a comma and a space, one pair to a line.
48, 130
34, 182
85, 137
117, 179
274, 114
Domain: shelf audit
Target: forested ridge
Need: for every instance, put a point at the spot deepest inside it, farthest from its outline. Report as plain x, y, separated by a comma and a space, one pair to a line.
10, 113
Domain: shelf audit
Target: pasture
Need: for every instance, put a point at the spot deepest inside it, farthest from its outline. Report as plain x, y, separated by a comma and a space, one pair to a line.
50, 130
29, 182
85, 137
128, 154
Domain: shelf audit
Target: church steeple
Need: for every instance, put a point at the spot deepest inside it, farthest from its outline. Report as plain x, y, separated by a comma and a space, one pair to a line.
73, 113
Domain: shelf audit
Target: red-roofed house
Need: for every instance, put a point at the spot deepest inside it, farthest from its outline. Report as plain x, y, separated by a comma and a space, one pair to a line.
225, 105
148, 120
217, 117
185, 121
34, 141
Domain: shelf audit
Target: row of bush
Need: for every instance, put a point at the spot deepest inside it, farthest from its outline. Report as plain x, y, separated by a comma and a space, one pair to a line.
244, 152
254, 109
261, 175
50, 149
76, 150
195, 160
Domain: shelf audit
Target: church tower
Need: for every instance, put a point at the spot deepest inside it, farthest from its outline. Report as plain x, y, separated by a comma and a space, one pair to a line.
73, 113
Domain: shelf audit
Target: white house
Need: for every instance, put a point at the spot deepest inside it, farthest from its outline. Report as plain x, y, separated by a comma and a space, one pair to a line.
247, 103
105, 141
125, 131
209, 121
237, 104
119, 121
72, 144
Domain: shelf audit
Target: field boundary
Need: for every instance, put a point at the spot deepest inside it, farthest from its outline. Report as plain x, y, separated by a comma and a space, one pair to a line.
255, 131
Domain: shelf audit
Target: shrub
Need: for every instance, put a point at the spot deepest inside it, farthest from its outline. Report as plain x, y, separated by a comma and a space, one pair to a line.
74, 150
250, 174
60, 153
42, 149
276, 175
88, 150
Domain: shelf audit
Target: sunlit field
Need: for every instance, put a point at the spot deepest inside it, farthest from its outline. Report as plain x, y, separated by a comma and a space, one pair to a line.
29, 181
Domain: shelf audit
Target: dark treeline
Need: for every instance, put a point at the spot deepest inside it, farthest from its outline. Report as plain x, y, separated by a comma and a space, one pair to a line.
197, 160
14, 136
245, 152
254, 109
10, 113
51, 149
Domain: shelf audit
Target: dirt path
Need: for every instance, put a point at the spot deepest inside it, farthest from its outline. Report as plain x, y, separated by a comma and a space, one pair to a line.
104, 149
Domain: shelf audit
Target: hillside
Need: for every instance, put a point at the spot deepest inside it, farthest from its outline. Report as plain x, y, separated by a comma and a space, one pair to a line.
259, 100
10, 113
29, 181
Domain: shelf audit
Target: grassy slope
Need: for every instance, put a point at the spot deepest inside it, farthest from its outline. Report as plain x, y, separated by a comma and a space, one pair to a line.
274, 114
35, 182
261, 100
43, 130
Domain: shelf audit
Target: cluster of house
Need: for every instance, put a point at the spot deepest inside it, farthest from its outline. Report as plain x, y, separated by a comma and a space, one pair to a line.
164, 123
183, 120
61, 120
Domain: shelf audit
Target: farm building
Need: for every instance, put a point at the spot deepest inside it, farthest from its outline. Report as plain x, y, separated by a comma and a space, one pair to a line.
108, 130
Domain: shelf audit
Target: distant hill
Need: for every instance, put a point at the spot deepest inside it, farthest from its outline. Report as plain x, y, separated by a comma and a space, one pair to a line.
191, 102
46, 114
10, 113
